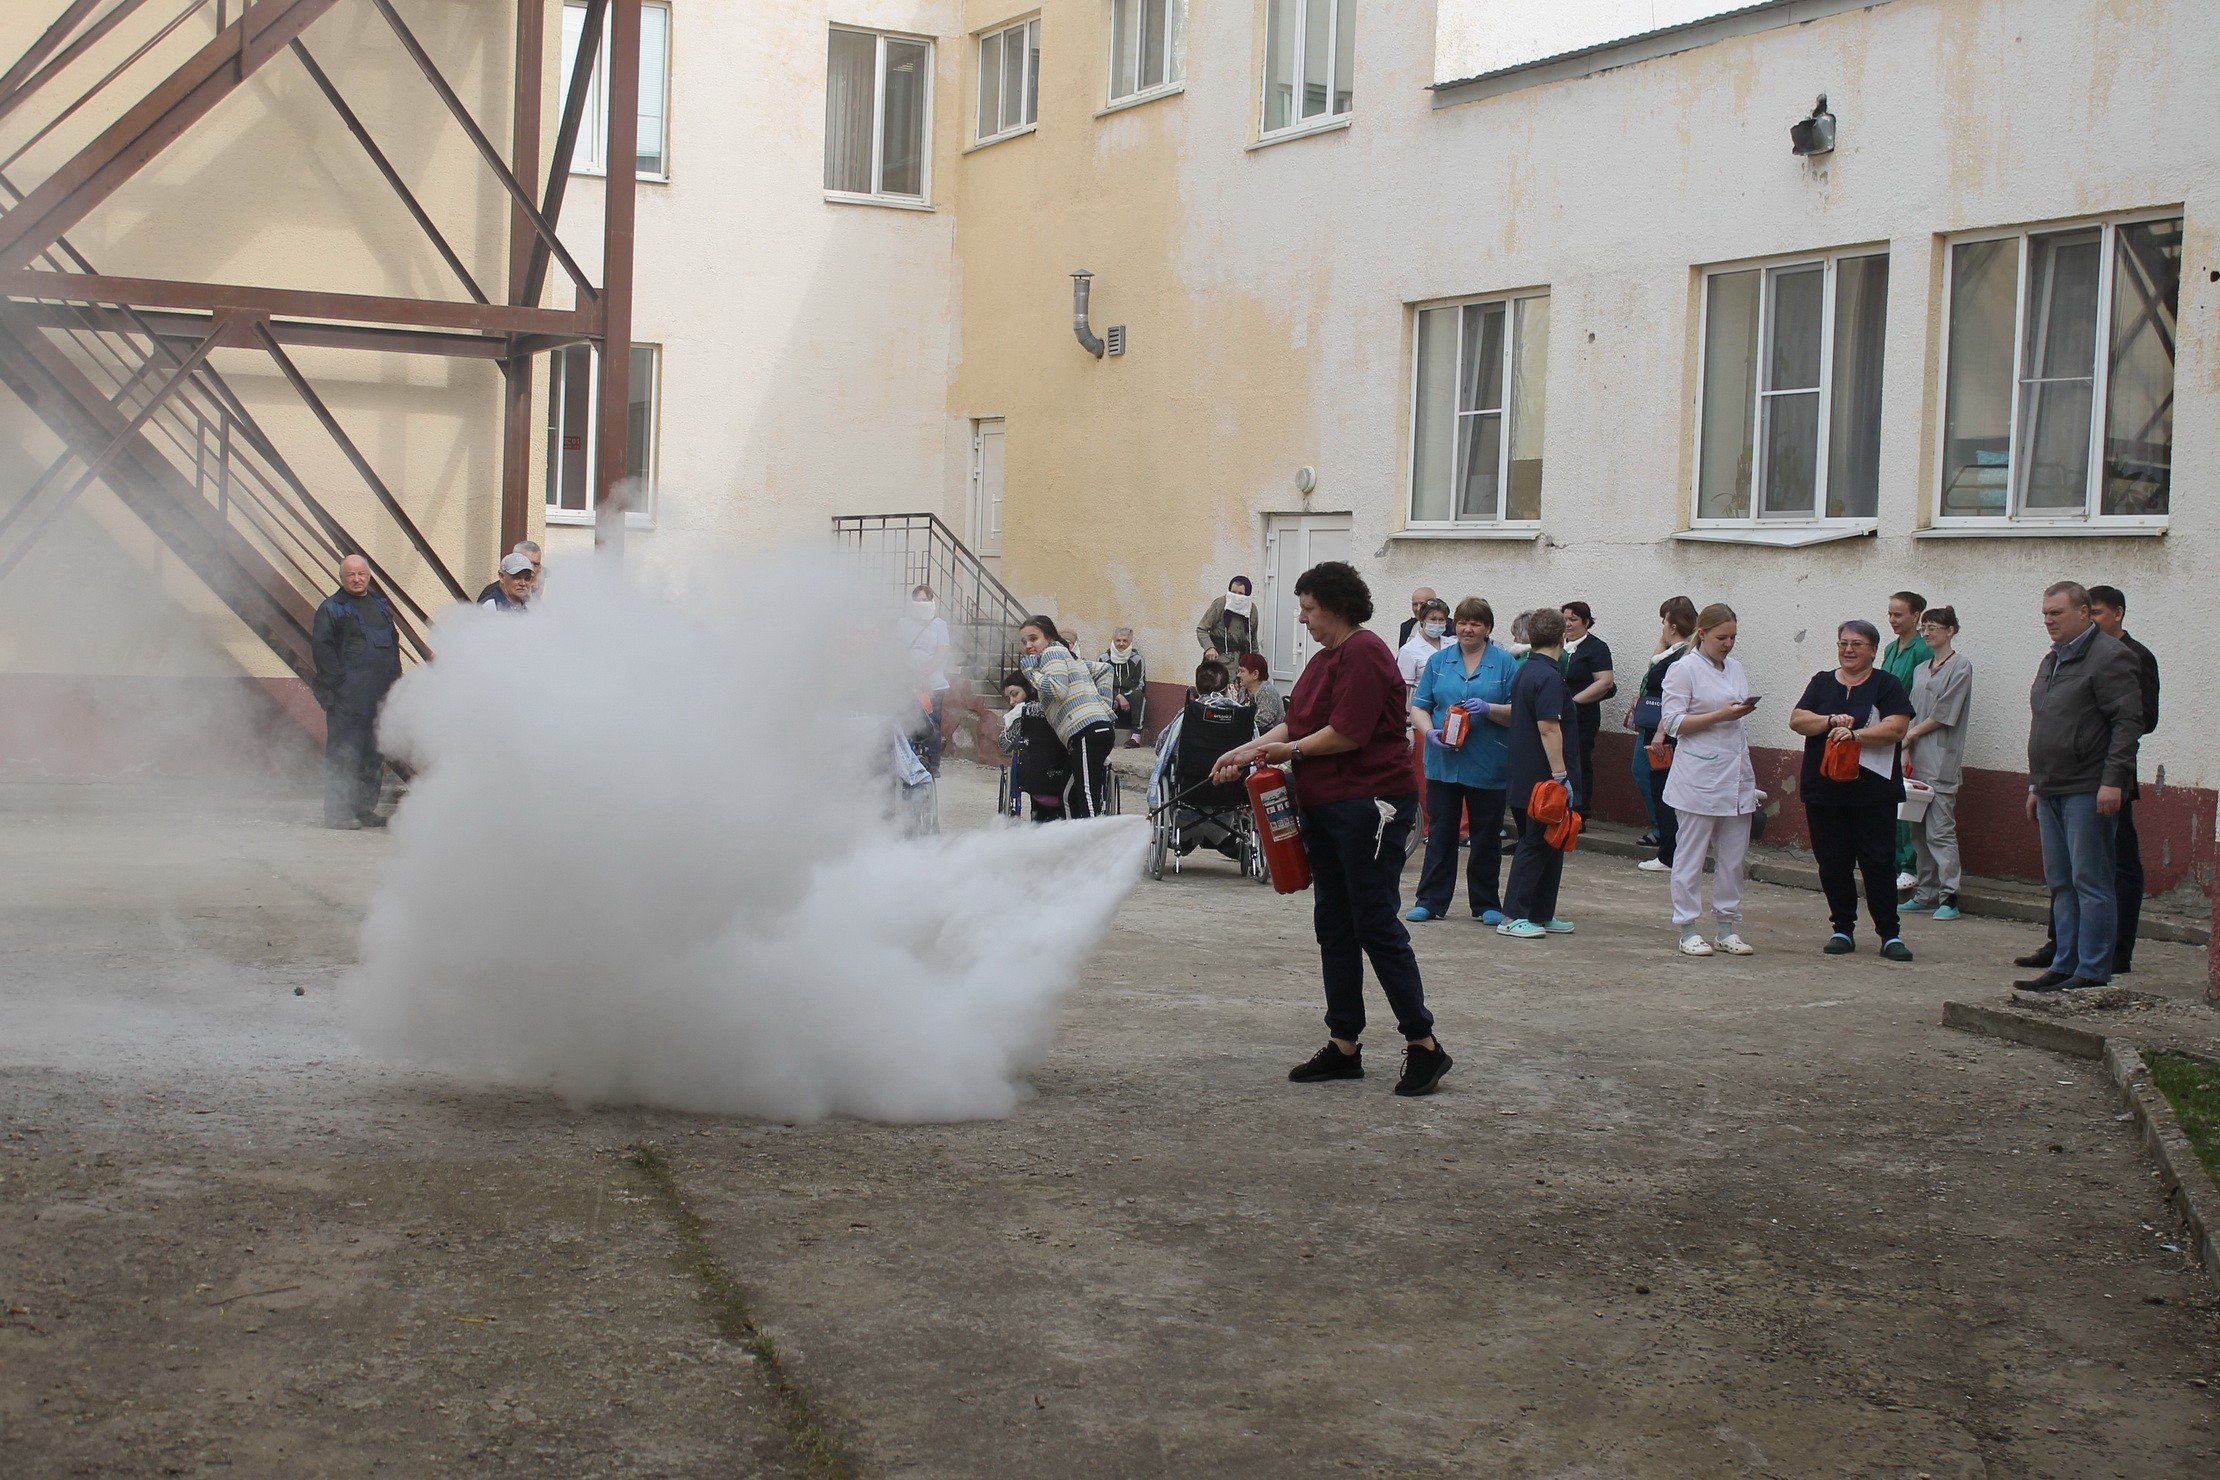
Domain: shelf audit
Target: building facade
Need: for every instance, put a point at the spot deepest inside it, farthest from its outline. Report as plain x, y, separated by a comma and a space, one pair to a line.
1529, 302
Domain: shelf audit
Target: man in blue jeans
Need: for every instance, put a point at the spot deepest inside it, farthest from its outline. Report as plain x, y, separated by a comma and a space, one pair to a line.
2086, 715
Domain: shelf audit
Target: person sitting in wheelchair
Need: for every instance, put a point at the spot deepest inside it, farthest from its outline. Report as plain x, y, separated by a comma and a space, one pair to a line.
1040, 767
1213, 693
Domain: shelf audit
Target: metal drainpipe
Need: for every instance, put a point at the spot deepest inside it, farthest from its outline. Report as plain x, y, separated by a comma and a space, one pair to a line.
1089, 341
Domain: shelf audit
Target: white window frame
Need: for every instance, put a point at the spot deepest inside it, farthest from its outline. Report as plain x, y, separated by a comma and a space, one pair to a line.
1301, 125
922, 201
1175, 55
1521, 528
1027, 31
590, 156
641, 514
1757, 519
2091, 519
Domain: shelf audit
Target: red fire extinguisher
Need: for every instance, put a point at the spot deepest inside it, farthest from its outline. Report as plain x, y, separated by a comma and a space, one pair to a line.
1279, 834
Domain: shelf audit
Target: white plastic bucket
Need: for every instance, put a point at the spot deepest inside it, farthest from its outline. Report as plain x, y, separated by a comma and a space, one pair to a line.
1917, 794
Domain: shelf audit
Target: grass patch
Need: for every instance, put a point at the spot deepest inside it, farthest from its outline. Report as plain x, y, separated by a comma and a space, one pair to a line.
806, 1429
2192, 1086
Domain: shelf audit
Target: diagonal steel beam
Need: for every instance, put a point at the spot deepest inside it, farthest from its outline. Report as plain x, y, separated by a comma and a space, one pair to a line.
98, 463
484, 145
11, 82
152, 124
338, 434
566, 142
385, 168
100, 88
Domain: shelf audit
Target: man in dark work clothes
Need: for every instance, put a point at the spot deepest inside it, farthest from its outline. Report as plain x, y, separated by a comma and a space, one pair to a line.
358, 656
2108, 610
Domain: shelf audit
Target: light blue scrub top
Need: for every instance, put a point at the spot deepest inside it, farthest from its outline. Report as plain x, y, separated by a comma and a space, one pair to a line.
1442, 685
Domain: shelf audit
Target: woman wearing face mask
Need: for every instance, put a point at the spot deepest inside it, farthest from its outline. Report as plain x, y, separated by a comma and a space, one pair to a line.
1712, 787
1129, 680
1935, 752
923, 637
1075, 696
1428, 637
1228, 628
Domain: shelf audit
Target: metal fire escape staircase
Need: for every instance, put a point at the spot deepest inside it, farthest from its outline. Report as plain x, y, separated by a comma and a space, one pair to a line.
119, 368
140, 408
900, 552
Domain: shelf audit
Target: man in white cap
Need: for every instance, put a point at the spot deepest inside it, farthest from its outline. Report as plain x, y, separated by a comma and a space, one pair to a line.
530, 550
513, 589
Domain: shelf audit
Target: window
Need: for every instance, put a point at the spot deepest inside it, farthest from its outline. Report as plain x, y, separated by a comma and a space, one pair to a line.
1789, 426
590, 156
1476, 421
878, 91
573, 376
1009, 80
2058, 373
1148, 46
1309, 53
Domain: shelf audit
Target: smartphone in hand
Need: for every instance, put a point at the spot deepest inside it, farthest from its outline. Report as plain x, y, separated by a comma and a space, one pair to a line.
1752, 701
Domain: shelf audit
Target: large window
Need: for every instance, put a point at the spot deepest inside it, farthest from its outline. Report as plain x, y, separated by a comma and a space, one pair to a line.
573, 374
1148, 46
653, 155
878, 99
2058, 374
1009, 80
1476, 420
1789, 426
1309, 55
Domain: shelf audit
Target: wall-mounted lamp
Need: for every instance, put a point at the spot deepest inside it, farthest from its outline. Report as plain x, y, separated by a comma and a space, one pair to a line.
1306, 479
1816, 134
1081, 282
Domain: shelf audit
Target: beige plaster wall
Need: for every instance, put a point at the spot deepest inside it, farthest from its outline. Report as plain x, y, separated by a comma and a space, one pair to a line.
1267, 295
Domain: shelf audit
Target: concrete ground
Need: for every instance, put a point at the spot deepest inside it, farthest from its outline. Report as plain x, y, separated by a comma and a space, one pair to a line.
1666, 1217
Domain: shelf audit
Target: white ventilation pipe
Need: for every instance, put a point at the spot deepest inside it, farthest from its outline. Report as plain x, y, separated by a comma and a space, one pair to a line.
1089, 341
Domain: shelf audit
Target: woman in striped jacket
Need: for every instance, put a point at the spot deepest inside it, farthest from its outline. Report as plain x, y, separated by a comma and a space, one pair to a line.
1075, 695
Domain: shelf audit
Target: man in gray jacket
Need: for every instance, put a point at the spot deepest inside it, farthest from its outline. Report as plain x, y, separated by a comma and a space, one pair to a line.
2086, 716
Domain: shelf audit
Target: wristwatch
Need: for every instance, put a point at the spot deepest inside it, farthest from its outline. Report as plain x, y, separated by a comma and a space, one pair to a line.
1294, 750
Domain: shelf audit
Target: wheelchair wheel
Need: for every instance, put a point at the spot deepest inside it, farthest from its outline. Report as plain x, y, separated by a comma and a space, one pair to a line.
1160, 845
1113, 802
1002, 792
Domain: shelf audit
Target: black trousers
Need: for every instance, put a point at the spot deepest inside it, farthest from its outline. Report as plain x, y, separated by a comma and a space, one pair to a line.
1356, 870
1537, 870
1847, 842
352, 765
1088, 792
1437, 883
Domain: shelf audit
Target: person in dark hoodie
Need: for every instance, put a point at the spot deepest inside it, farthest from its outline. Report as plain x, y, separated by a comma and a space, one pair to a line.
358, 656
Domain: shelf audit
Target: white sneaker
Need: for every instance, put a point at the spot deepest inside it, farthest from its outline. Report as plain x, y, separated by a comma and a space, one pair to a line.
1906, 881
1735, 945
1693, 944
1654, 866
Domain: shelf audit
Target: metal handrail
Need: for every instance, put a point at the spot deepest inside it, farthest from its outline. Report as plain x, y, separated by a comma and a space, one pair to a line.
909, 550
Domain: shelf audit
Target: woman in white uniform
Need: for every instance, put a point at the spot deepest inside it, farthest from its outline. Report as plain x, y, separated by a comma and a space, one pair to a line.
1711, 784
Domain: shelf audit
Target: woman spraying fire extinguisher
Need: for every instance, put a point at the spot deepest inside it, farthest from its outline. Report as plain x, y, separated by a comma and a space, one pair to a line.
1344, 744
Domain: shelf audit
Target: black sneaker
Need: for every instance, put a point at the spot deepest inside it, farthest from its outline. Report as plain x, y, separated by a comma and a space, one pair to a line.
1329, 1063
1422, 1068
2049, 981
2040, 960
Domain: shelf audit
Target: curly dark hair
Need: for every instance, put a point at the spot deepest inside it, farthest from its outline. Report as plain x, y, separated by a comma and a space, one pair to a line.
1336, 586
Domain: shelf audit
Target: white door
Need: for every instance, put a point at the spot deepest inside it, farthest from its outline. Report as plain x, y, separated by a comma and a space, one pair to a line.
985, 534
1293, 543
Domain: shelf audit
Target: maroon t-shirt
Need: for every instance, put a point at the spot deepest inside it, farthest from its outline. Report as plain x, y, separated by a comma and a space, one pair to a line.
1355, 688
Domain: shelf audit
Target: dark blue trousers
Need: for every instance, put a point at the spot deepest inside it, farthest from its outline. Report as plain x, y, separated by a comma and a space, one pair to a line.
1437, 884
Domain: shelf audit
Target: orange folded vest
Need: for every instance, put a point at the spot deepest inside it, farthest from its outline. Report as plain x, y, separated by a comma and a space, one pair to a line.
1551, 805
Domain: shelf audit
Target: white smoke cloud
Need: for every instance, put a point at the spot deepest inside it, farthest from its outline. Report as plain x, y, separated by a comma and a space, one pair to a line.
646, 859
